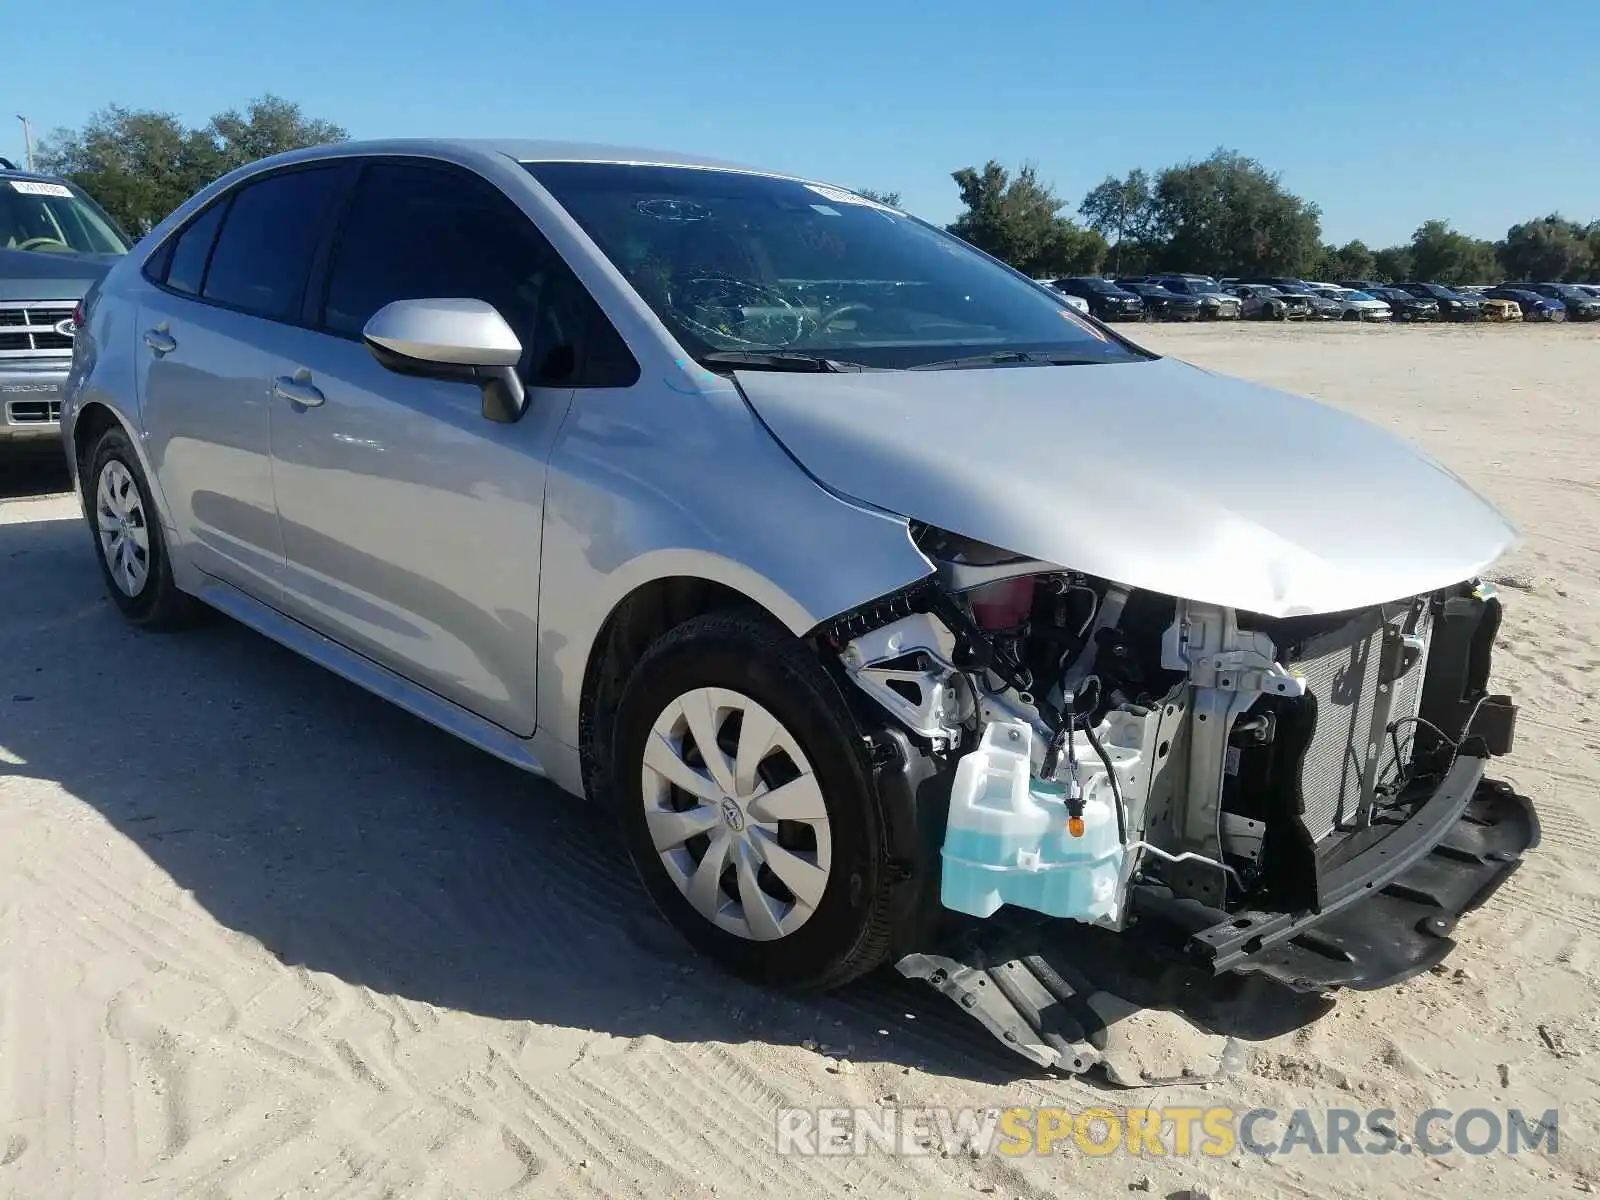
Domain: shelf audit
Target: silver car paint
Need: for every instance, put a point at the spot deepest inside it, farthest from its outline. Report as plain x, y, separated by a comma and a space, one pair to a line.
673, 476
205, 421
411, 525
440, 330
1155, 474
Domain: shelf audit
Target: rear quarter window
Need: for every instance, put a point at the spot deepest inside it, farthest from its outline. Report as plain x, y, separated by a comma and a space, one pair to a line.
186, 269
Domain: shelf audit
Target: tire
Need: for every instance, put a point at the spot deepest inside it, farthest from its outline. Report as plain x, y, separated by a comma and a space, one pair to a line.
1352, 314
129, 543
835, 924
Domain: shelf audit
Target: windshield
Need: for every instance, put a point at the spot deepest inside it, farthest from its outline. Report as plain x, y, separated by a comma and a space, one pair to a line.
54, 218
738, 262
1201, 285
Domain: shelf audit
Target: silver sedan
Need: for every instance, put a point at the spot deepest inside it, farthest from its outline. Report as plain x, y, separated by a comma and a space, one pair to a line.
746, 504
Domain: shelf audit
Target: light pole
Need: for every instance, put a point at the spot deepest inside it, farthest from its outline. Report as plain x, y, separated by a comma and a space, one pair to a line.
27, 139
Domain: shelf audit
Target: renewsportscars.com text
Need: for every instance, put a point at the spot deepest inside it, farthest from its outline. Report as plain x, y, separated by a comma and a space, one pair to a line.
1170, 1131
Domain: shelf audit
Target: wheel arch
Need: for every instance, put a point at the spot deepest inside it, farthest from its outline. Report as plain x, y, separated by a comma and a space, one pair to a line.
645, 612
89, 424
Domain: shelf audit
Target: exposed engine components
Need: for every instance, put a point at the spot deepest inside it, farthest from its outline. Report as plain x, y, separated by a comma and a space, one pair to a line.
906, 667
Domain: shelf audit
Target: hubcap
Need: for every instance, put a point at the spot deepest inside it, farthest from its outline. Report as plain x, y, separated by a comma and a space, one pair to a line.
736, 814
124, 532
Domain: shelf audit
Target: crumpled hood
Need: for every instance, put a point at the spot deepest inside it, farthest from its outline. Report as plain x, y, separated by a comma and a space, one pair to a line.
1156, 474
41, 275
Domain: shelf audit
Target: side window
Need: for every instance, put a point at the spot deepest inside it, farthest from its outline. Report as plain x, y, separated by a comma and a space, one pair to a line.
191, 250
417, 232
263, 254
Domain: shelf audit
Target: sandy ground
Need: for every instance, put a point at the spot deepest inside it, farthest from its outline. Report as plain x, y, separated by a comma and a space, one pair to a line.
262, 935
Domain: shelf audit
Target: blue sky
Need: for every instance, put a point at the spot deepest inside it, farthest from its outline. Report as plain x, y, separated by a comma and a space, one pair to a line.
1385, 112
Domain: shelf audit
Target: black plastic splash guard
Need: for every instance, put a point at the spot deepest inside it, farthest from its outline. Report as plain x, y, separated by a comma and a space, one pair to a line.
1392, 923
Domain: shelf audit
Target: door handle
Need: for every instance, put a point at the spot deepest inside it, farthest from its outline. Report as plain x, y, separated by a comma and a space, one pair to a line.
159, 341
296, 392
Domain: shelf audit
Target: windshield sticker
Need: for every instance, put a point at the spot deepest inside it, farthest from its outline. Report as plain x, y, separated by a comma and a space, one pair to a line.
674, 210
825, 210
702, 382
32, 187
840, 196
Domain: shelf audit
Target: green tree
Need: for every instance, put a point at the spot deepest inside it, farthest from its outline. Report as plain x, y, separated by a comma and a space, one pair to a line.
892, 199
1441, 255
1353, 260
138, 165
1122, 212
1548, 249
1392, 263
1227, 214
269, 125
141, 165
1018, 220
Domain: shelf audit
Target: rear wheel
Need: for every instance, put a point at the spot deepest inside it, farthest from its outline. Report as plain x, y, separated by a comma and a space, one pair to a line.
747, 803
128, 538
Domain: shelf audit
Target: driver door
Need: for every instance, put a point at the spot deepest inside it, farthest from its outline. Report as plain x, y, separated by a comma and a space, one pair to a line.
412, 523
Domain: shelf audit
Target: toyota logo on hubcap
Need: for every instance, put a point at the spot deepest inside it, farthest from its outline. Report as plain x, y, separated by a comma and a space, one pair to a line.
731, 815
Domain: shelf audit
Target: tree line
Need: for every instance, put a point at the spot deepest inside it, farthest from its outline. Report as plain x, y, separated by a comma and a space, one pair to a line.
1227, 215
140, 165
1222, 215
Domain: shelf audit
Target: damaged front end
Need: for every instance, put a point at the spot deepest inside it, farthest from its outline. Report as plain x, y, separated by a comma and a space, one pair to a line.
1303, 797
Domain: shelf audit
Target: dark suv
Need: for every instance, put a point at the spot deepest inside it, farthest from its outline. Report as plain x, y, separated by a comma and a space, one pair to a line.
55, 243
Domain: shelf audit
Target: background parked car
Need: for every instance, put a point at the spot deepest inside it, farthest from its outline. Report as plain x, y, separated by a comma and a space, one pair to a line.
1581, 306
1592, 288
1453, 305
55, 243
1363, 285
1215, 303
1534, 306
1500, 310
1106, 300
1323, 308
1076, 303
1161, 303
1357, 306
1284, 283
1405, 306
1261, 302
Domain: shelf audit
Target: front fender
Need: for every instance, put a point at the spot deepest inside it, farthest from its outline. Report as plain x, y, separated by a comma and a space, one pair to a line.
650, 487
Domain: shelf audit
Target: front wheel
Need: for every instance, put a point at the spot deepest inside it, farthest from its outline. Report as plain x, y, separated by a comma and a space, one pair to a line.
747, 804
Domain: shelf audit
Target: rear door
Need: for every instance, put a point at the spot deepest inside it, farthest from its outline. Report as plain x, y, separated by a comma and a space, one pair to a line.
230, 281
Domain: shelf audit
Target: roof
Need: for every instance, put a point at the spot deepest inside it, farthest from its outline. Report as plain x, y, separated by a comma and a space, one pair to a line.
532, 150
19, 173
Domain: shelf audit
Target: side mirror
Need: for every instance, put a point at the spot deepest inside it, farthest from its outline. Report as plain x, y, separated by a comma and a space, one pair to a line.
457, 339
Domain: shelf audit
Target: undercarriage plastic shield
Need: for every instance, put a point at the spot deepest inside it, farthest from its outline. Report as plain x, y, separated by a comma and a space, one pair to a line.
1048, 989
